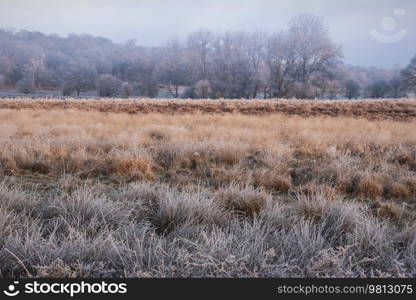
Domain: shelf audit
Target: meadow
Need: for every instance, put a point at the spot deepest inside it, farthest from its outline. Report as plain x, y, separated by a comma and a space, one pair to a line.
158, 188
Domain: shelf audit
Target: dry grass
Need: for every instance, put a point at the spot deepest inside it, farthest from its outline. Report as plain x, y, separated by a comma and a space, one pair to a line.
396, 109
93, 194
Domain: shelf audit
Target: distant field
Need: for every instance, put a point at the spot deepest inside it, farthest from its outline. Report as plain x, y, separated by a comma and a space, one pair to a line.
175, 193
397, 109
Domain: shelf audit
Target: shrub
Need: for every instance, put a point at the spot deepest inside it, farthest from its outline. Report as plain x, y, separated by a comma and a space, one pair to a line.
202, 89
273, 181
370, 188
389, 211
242, 201
399, 191
126, 90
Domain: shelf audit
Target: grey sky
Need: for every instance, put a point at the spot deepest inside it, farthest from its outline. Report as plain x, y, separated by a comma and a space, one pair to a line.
152, 22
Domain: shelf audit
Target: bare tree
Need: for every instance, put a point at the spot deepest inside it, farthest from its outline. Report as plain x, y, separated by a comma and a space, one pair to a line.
233, 75
173, 69
352, 89
299, 62
256, 53
281, 63
409, 75
379, 89
397, 87
25, 85
36, 65
199, 46
314, 50
108, 86
81, 76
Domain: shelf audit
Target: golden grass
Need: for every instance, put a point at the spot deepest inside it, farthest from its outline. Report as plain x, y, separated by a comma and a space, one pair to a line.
274, 152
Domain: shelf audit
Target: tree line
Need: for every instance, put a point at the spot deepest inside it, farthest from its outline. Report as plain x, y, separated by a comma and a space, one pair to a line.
301, 62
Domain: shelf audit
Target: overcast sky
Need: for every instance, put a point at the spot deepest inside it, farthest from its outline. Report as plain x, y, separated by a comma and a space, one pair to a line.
152, 22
